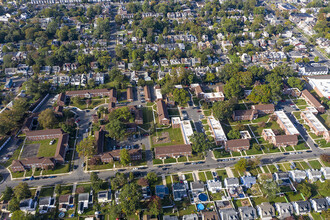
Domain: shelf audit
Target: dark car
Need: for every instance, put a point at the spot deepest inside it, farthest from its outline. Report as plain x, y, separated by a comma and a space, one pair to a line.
52, 177
187, 163
286, 153
309, 151
164, 168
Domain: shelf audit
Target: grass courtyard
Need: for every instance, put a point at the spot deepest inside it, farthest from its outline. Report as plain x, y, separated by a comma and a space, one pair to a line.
174, 137
45, 149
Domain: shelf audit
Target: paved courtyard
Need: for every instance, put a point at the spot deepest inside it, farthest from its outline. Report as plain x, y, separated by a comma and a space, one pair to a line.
30, 150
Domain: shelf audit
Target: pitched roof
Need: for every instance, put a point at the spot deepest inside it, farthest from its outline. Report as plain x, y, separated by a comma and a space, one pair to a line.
311, 98
264, 107
173, 149
81, 92
238, 143
286, 138
162, 110
44, 132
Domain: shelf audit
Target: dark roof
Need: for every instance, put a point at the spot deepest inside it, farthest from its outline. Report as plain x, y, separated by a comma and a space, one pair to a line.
147, 93
162, 110
81, 92
310, 69
44, 132
264, 107
99, 138
238, 143
244, 112
61, 145
286, 138
129, 93
311, 98
173, 149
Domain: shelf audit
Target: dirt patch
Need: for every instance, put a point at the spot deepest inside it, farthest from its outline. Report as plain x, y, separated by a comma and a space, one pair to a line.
245, 202
162, 138
30, 150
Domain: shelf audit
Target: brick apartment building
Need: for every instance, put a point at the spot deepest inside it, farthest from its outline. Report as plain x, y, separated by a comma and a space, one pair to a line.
147, 95
311, 100
264, 109
173, 151
61, 99
130, 96
285, 140
88, 93
237, 145
114, 155
44, 162
240, 115
163, 117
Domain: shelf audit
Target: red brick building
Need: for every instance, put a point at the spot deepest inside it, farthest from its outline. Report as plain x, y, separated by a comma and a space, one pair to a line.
163, 117
237, 145
240, 115
114, 155
311, 100
264, 109
173, 151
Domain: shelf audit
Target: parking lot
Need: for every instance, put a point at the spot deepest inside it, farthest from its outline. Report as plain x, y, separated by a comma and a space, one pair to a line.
30, 150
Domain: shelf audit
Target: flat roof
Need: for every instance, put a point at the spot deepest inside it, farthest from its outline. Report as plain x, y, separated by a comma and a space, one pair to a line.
245, 134
210, 95
158, 94
313, 119
219, 134
322, 84
287, 122
269, 132
187, 131
176, 120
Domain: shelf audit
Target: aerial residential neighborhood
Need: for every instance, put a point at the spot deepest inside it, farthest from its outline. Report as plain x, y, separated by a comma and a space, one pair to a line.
167, 110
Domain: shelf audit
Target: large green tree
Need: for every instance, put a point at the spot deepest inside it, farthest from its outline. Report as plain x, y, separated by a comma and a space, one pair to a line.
241, 165
260, 93
22, 191
295, 82
47, 118
233, 88
125, 158
130, 196
155, 206
222, 110
305, 189
7, 194
96, 181
181, 96
86, 147
200, 143
116, 129
270, 189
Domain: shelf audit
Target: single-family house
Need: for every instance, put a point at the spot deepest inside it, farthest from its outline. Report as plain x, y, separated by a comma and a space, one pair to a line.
248, 181
301, 207
28, 205
84, 199
65, 202
228, 214
284, 209
247, 213
266, 211
45, 204
179, 191
161, 191
231, 182
282, 178
210, 215
104, 196
197, 187
319, 205
190, 217
297, 175
314, 175
326, 172
214, 186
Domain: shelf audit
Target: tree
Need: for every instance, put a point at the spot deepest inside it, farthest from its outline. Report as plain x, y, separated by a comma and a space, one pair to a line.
116, 129
130, 198
86, 147
143, 182
76, 100
125, 158
270, 189
199, 142
118, 181
152, 177
96, 181
241, 165
234, 134
325, 158
232, 88
22, 191
180, 96
155, 206
222, 110
253, 163
295, 82
260, 93
47, 118
7, 194
305, 189
13, 204
20, 215
58, 189
316, 59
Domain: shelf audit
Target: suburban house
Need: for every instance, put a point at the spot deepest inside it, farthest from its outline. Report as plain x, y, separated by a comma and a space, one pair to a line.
231, 182
297, 175
44, 162
301, 207
173, 151
28, 205
65, 202
314, 175
163, 117
284, 209
247, 213
264, 109
209, 215
244, 115
161, 191
179, 191
104, 196
266, 211
190, 217
228, 214
282, 178
237, 145
248, 181
197, 187
285, 140
326, 172
319, 205
311, 100
114, 155
214, 186
130, 97
45, 204
84, 200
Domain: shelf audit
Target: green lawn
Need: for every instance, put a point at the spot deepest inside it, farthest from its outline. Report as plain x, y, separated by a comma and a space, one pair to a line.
272, 168
281, 167
47, 191
272, 150
17, 174
254, 172
236, 154
168, 180
173, 111
182, 159
174, 134
294, 196
58, 169
316, 216
258, 200
189, 177
301, 146
222, 174
322, 143
86, 187
147, 117
257, 130
287, 166
221, 153
253, 152
196, 157
298, 166
37, 172
170, 160
261, 119
300, 102
266, 169
289, 148
188, 210
157, 161
315, 164
66, 190
216, 196
28, 173
297, 115
202, 176
304, 165
101, 166
209, 175
235, 173
45, 150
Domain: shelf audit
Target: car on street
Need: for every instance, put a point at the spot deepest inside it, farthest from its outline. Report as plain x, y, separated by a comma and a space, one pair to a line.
187, 163
309, 151
52, 177
164, 168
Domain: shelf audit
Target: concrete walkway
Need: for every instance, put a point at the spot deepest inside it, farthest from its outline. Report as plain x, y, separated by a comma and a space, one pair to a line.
229, 172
